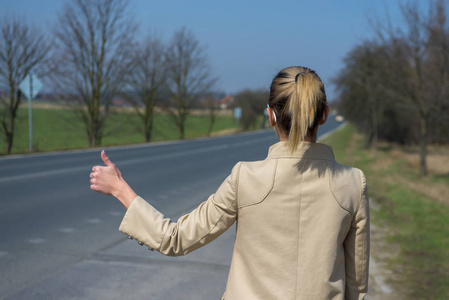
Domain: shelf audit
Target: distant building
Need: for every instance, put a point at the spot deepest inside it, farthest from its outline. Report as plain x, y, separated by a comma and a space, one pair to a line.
120, 102
227, 102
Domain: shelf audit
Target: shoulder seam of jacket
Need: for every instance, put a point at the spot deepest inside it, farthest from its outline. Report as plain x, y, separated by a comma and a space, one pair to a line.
332, 192
269, 191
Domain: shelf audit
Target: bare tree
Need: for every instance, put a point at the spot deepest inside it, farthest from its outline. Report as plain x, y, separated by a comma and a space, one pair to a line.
22, 49
418, 61
94, 42
438, 31
188, 77
362, 84
147, 79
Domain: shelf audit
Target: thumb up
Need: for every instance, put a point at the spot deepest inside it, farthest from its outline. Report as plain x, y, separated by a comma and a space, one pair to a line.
105, 179
106, 159
108, 180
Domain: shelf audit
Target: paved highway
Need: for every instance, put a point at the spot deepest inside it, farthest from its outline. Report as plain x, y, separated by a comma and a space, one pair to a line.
51, 220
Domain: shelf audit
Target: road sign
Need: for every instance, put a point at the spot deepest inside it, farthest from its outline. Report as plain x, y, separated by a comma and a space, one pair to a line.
31, 85
237, 112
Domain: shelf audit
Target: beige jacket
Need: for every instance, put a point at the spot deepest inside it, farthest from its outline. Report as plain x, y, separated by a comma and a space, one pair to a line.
302, 226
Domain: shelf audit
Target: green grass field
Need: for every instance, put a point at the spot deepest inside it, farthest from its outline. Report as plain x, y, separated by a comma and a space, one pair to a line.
58, 129
417, 223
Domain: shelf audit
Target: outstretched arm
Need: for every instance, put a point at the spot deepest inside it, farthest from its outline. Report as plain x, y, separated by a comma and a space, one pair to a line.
147, 225
109, 181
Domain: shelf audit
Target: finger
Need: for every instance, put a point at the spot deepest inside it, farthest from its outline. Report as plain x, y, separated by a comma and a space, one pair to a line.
106, 159
92, 175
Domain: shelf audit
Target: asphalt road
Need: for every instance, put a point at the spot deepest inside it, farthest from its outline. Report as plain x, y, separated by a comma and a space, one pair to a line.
51, 220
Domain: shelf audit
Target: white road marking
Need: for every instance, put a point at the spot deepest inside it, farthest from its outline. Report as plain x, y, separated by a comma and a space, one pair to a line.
36, 241
94, 221
115, 213
67, 230
46, 173
172, 155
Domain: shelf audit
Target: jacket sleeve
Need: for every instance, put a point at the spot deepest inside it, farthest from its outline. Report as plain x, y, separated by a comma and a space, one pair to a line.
192, 231
357, 247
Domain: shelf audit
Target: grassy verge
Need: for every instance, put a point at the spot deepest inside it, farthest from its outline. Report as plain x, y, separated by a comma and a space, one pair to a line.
57, 129
411, 209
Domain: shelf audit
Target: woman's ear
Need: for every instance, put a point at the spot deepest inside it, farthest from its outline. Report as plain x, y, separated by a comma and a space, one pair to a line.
325, 115
271, 117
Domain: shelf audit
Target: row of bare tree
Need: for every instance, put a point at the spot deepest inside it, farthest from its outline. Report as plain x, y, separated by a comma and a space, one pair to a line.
395, 87
93, 56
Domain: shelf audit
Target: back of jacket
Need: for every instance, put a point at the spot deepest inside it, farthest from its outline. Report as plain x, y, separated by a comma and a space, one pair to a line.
302, 228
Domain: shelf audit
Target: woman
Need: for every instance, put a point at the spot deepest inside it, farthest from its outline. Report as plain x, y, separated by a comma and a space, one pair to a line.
302, 218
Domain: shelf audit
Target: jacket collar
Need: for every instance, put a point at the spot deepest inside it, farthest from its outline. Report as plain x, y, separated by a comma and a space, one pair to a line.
304, 150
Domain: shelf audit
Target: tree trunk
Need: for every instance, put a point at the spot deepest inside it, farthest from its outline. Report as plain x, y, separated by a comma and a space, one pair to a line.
147, 134
92, 141
211, 125
94, 134
181, 123
181, 130
148, 121
9, 139
148, 130
374, 123
211, 120
8, 126
369, 139
423, 146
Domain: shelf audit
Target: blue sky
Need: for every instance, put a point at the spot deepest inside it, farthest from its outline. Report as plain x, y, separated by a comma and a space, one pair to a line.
248, 42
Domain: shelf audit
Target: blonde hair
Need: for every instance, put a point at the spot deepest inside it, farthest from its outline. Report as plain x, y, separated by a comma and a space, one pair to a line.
298, 99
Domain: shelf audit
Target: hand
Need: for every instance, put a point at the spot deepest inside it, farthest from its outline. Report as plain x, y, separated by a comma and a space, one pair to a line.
105, 179
108, 180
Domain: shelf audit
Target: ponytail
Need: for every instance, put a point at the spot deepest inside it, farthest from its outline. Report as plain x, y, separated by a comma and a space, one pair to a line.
298, 94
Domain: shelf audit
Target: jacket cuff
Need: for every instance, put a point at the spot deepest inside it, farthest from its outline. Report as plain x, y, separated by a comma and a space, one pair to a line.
144, 223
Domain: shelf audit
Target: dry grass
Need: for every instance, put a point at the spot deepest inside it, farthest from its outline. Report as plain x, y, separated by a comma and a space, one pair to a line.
437, 164
438, 191
226, 132
437, 158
